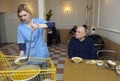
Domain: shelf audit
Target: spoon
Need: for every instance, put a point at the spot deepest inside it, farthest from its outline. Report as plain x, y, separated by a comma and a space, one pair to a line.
27, 59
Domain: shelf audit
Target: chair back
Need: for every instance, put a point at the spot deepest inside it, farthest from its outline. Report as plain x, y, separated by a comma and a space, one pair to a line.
107, 55
98, 41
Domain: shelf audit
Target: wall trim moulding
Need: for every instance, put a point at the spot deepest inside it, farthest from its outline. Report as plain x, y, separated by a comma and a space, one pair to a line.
98, 21
108, 29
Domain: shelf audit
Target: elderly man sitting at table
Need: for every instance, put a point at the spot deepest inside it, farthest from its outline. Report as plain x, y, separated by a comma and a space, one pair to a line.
81, 46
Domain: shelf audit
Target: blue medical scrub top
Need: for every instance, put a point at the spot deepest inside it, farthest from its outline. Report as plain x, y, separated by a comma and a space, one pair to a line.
38, 46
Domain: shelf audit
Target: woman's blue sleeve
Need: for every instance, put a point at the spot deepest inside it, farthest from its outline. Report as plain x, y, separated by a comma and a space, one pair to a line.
40, 21
22, 47
50, 24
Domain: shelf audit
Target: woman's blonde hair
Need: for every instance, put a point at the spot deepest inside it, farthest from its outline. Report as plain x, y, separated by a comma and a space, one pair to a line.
23, 7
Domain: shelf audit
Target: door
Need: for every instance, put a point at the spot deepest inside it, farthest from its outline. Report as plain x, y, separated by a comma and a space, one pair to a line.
11, 22
2, 29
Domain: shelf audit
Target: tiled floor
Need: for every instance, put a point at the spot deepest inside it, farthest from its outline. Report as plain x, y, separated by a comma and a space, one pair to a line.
58, 54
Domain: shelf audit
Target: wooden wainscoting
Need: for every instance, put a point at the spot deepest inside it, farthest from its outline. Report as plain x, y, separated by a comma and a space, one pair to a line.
64, 35
111, 45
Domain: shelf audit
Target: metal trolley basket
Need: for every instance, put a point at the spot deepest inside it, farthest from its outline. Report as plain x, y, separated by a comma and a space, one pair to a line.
9, 71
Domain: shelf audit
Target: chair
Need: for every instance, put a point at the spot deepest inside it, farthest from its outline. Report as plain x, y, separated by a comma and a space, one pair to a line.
53, 38
56, 38
98, 41
107, 55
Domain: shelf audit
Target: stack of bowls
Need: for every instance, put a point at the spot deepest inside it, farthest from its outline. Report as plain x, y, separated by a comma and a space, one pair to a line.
17, 76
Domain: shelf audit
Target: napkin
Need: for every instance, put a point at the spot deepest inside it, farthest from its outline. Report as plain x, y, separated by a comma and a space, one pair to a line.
90, 61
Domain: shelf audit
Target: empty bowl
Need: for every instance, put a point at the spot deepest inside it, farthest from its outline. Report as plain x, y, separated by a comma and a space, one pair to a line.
99, 63
111, 64
76, 59
47, 79
17, 61
118, 69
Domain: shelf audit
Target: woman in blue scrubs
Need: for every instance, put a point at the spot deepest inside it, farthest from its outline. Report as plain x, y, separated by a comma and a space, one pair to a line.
36, 26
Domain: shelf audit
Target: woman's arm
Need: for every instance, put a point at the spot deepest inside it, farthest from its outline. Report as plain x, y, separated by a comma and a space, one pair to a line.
22, 49
46, 25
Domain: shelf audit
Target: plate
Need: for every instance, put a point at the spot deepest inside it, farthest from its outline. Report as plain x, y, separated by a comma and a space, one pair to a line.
99, 63
76, 59
48, 79
17, 61
118, 69
90, 61
109, 67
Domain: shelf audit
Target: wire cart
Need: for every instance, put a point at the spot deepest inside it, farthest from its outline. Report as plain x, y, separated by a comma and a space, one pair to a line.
10, 71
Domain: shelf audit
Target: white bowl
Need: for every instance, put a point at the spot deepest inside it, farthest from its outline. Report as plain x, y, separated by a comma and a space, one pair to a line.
76, 59
48, 79
17, 61
112, 63
118, 69
99, 63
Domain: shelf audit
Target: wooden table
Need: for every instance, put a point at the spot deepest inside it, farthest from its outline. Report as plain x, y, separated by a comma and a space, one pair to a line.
88, 72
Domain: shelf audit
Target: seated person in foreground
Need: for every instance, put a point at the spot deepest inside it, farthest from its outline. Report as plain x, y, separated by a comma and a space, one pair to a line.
81, 46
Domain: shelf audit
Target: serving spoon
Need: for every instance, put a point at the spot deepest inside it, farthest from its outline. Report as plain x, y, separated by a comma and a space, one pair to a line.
24, 60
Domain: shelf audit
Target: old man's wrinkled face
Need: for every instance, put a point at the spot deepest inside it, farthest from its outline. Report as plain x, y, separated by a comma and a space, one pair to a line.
80, 33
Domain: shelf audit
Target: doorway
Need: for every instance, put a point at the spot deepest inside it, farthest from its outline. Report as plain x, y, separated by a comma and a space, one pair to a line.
2, 29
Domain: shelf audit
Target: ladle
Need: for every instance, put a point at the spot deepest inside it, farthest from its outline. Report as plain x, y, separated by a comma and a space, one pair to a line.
28, 57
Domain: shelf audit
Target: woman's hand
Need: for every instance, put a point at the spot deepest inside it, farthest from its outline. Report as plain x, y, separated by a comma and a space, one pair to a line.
35, 26
21, 54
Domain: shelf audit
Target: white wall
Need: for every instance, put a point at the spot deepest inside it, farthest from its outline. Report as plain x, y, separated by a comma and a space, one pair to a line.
10, 19
41, 12
5, 5
108, 17
76, 16
41, 9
